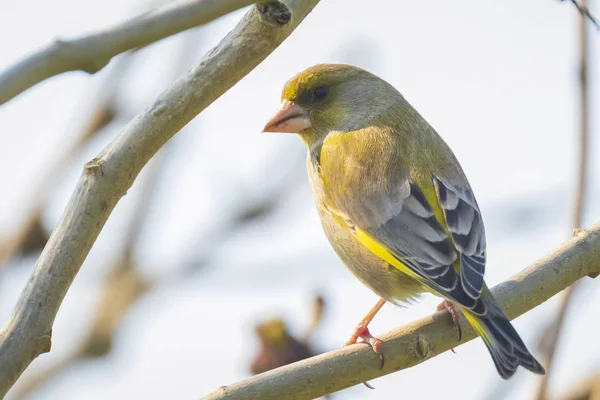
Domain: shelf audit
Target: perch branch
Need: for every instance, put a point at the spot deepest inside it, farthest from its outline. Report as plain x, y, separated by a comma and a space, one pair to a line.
106, 178
92, 52
422, 339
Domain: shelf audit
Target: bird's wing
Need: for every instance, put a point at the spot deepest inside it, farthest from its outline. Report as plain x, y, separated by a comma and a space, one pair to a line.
463, 221
432, 231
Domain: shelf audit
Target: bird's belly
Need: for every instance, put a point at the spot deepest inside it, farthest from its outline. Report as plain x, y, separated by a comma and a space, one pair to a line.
381, 277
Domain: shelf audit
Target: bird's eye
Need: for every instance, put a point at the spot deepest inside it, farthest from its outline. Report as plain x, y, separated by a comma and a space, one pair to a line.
320, 92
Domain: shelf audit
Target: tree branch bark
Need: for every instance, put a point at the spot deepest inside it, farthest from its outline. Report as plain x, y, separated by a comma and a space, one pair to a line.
100, 115
106, 178
92, 52
422, 339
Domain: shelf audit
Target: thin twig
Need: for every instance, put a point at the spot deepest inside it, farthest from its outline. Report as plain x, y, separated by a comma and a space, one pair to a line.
552, 337
585, 12
423, 339
92, 52
106, 178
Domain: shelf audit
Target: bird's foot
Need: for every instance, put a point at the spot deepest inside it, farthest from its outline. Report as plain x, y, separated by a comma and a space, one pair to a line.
362, 332
454, 313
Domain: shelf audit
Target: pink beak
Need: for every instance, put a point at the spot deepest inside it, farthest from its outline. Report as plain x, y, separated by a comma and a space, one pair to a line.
291, 118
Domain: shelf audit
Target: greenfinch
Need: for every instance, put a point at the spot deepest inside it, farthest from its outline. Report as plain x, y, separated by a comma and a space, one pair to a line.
278, 347
394, 202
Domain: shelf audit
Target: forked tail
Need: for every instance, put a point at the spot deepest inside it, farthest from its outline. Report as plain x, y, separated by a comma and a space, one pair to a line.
502, 340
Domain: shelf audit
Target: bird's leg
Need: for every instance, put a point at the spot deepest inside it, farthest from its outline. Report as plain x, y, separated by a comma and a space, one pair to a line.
362, 330
454, 313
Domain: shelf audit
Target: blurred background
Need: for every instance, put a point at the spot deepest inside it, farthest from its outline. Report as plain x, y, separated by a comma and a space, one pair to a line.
219, 233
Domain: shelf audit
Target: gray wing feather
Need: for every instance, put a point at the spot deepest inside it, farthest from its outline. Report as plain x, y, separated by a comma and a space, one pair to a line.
403, 220
464, 222
414, 234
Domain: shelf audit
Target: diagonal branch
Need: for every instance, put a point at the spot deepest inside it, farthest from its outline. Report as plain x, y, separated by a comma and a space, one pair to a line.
92, 52
423, 339
100, 115
585, 13
106, 178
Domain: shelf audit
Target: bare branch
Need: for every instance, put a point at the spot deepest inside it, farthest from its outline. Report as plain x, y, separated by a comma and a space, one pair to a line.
551, 339
92, 52
123, 288
124, 285
586, 389
422, 339
585, 12
106, 178
100, 115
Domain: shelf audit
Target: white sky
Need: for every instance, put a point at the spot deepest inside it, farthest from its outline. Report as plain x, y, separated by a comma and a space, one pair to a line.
497, 79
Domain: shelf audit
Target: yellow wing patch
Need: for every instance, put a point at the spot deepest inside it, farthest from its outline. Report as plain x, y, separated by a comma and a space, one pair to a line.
426, 185
377, 248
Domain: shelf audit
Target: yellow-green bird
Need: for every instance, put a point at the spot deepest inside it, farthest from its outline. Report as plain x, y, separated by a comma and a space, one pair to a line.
394, 202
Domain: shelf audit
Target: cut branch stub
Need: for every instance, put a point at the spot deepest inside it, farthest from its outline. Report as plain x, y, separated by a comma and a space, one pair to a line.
274, 13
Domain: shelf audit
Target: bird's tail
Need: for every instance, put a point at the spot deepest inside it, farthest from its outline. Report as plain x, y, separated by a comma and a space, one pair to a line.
502, 340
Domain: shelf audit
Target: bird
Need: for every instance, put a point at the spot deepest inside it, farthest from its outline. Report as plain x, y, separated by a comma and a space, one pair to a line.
395, 203
278, 347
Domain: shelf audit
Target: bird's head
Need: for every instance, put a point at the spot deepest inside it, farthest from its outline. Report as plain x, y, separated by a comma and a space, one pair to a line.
331, 97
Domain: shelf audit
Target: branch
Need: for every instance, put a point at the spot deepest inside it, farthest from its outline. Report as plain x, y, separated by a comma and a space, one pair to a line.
586, 389
101, 114
124, 285
123, 288
106, 178
551, 339
423, 339
585, 12
92, 52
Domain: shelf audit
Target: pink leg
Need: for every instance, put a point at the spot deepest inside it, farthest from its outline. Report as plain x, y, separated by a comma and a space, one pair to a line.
362, 331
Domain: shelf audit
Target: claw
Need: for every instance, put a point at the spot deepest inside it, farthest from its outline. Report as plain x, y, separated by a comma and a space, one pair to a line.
362, 332
454, 313
367, 384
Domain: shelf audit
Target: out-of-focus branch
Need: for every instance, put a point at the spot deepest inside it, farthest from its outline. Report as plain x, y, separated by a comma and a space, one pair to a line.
92, 52
121, 290
106, 178
551, 339
125, 285
584, 128
587, 389
422, 339
585, 12
99, 116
